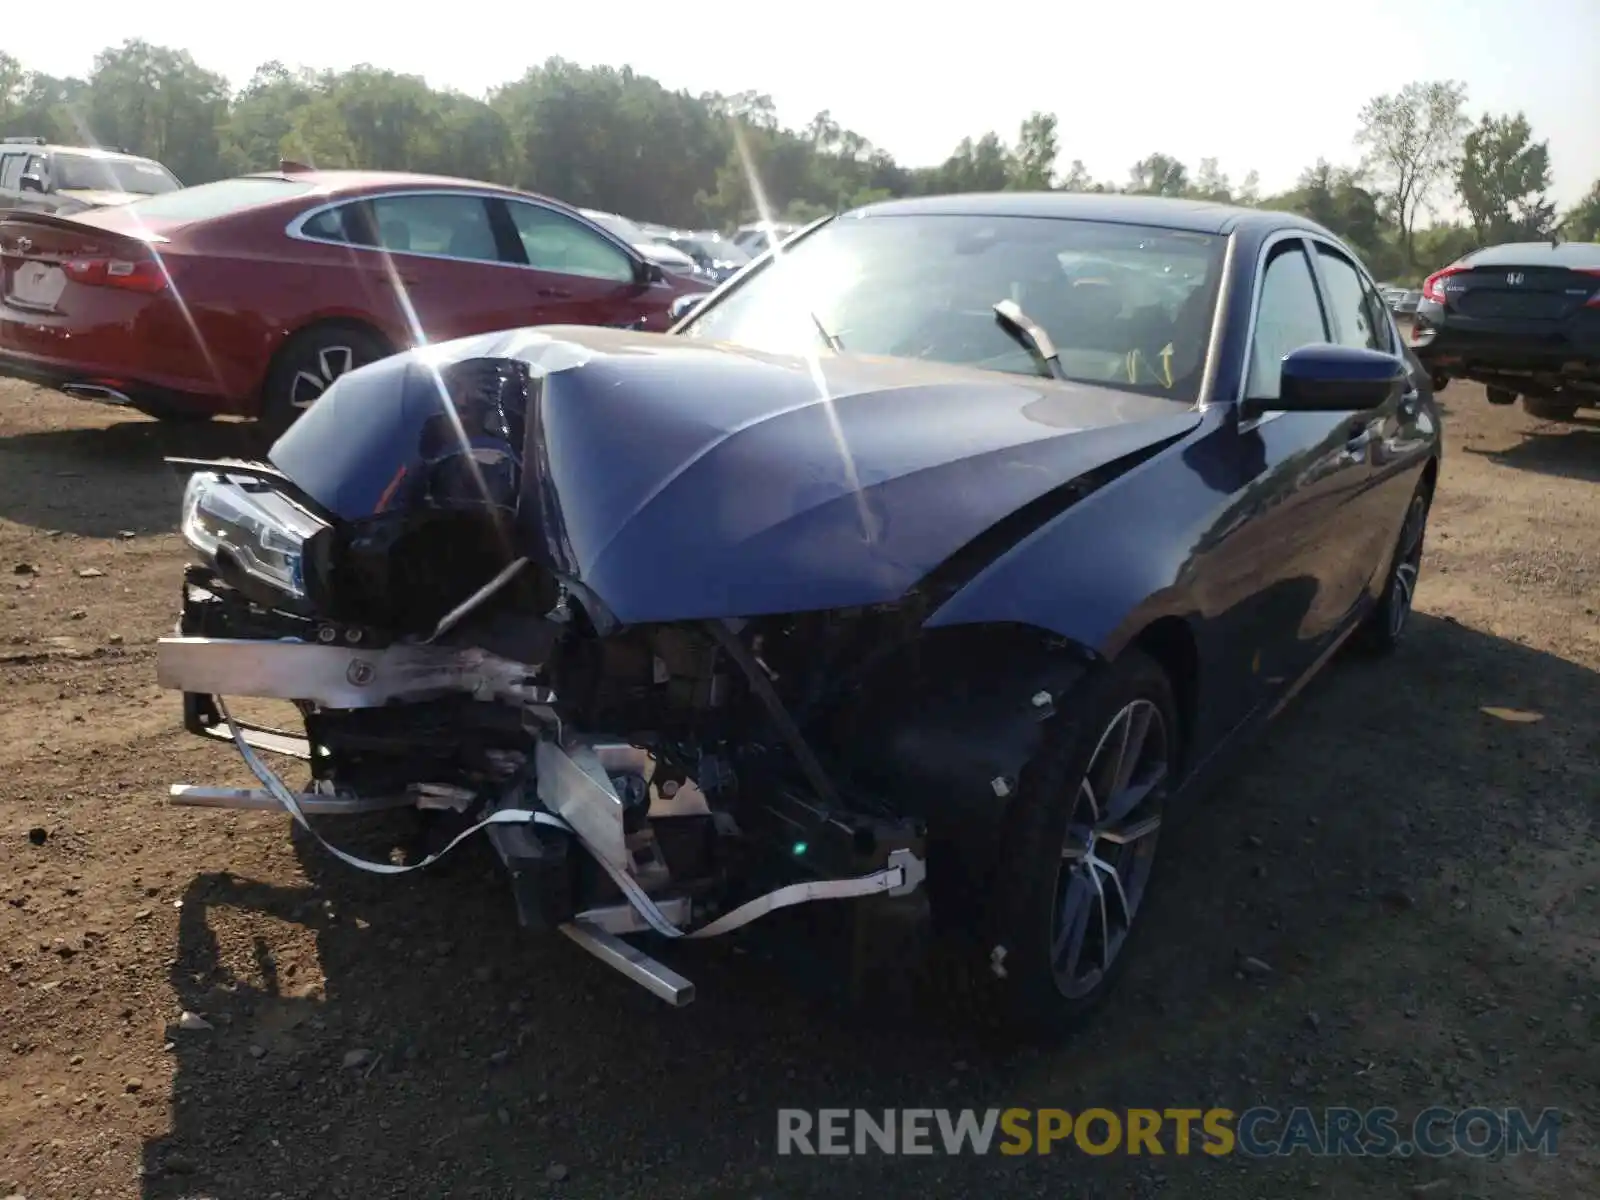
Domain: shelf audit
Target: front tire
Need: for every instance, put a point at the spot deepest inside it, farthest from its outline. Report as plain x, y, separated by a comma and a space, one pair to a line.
1079, 857
1499, 396
307, 365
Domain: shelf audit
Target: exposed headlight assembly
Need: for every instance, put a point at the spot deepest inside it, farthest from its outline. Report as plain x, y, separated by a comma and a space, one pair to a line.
249, 533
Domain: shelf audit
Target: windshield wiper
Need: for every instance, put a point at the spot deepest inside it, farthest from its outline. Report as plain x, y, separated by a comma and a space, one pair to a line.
1027, 331
834, 343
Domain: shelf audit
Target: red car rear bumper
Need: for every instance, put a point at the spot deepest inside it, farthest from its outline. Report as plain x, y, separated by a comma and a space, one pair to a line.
112, 385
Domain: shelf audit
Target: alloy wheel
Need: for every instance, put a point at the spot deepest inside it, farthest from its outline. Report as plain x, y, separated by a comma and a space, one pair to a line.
1109, 848
310, 382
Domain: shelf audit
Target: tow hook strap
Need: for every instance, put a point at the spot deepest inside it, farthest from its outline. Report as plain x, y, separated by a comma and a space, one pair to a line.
888, 879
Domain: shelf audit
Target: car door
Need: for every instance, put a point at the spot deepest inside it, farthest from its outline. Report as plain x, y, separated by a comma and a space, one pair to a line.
1276, 568
430, 262
10, 177
31, 198
1359, 319
578, 275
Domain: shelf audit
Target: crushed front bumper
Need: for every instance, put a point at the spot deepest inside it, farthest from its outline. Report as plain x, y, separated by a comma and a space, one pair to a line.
572, 805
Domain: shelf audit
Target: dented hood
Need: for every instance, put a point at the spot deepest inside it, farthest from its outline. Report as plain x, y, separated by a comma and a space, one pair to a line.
677, 479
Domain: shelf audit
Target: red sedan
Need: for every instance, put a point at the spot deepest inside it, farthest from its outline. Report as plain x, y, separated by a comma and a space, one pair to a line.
251, 295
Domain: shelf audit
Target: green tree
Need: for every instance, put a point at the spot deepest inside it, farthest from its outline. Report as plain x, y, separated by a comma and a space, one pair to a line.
1440, 245
981, 165
610, 138
319, 137
1413, 140
1582, 223
263, 114
158, 102
1033, 160
35, 105
1077, 178
1250, 190
1158, 175
1338, 199
1211, 184
1503, 177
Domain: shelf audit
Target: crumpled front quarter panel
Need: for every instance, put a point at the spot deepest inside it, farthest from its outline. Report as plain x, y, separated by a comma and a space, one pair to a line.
675, 480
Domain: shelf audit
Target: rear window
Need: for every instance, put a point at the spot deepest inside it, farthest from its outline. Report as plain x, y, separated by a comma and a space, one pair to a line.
102, 173
1580, 256
208, 200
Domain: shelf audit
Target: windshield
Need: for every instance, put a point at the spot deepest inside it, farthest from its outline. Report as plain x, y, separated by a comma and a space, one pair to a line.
1125, 305
91, 173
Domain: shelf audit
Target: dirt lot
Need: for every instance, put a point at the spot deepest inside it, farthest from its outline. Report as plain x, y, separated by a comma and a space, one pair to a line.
1420, 876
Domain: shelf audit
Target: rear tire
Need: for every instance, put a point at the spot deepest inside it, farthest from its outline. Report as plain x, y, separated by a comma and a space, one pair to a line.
310, 361
1385, 627
1548, 410
1500, 396
1077, 861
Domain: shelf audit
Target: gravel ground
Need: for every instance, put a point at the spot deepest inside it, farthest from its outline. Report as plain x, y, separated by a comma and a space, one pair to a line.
1418, 877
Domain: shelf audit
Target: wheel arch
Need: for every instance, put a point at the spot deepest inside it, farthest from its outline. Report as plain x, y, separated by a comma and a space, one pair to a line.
943, 729
1171, 642
1430, 474
289, 340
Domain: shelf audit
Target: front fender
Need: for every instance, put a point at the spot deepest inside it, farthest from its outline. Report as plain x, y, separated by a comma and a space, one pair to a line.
1112, 563
942, 731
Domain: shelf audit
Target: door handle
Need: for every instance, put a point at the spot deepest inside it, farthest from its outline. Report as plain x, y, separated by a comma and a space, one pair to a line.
554, 294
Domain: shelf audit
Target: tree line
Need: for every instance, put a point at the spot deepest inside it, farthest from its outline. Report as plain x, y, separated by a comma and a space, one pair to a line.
610, 138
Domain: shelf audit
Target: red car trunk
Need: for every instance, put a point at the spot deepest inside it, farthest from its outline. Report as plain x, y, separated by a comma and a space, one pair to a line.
86, 298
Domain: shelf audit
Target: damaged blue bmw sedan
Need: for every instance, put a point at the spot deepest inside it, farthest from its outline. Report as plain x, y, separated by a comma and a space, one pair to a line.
916, 575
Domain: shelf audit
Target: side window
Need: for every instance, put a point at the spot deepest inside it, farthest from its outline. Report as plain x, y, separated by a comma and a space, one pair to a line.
10, 171
1289, 316
1379, 316
554, 241
328, 226
1350, 303
455, 226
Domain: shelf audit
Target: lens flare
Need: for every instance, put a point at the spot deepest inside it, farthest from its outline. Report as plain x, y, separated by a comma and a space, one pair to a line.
758, 193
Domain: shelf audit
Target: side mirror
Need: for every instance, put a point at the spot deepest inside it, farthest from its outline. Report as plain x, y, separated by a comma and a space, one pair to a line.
1328, 378
684, 305
649, 273
32, 183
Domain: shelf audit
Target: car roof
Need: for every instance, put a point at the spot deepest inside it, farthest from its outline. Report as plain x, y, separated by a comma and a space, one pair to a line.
355, 181
87, 151
1583, 255
1190, 216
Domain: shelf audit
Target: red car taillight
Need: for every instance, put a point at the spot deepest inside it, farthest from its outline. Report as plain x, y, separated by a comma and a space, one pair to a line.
144, 275
1431, 289
1594, 300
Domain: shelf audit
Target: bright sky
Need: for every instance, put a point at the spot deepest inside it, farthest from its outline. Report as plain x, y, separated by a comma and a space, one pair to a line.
1255, 84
